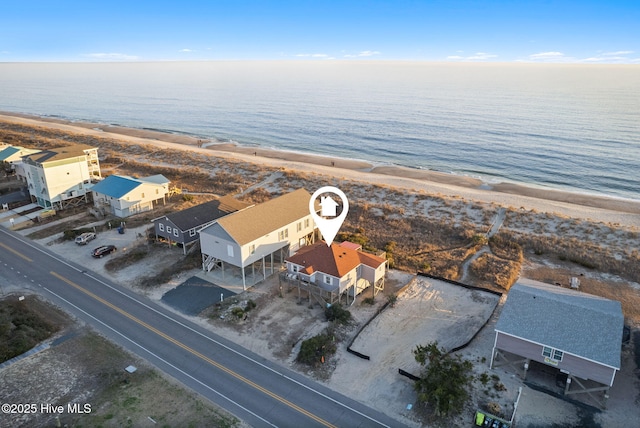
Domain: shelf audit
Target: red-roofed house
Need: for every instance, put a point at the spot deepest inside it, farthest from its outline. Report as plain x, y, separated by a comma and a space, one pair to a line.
337, 268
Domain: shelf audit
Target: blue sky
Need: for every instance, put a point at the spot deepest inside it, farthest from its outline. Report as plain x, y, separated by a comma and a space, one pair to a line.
585, 31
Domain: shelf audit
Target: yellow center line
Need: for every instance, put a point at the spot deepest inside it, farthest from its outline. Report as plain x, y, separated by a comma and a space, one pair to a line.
16, 252
193, 351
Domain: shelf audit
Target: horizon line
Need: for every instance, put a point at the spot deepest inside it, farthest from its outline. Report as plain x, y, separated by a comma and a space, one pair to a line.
345, 60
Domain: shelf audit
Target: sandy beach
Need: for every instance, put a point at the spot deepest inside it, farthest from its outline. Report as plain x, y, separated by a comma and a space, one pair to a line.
446, 312
574, 205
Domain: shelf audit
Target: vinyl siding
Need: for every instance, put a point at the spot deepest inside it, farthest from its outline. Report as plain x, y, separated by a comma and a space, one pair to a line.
576, 366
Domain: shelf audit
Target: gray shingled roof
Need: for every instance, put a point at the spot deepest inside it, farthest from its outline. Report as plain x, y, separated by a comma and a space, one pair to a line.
206, 212
571, 321
60, 153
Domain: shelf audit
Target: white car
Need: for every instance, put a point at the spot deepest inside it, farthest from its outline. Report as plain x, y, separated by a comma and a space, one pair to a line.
85, 238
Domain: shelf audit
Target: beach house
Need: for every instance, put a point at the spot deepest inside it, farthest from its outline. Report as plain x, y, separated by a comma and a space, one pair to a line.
11, 158
124, 196
338, 269
62, 177
259, 237
577, 336
182, 227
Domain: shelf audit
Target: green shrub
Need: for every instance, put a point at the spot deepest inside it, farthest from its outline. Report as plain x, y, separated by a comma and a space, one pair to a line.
22, 329
337, 314
238, 312
368, 300
444, 380
392, 299
316, 349
250, 305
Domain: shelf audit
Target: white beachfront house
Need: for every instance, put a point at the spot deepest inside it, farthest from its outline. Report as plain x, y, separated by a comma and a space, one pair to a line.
13, 154
62, 177
259, 235
124, 196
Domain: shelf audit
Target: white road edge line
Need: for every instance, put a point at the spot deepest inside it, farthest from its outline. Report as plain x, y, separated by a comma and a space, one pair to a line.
160, 358
203, 335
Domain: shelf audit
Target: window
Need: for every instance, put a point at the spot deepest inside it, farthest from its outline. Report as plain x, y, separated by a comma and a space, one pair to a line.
552, 354
192, 232
327, 279
175, 232
252, 248
142, 195
283, 234
306, 223
230, 250
161, 227
157, 192
299, 226
169, 230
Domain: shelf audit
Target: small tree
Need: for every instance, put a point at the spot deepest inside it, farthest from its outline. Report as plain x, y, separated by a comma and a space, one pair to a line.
444, 380
337, 314
314, 350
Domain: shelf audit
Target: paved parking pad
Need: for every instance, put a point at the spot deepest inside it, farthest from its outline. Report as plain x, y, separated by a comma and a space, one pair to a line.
194, 295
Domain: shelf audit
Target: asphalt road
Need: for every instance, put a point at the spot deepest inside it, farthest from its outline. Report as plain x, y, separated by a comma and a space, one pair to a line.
252, 388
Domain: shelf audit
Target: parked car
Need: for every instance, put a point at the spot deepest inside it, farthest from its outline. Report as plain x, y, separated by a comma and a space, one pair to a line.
85, 238
101, 251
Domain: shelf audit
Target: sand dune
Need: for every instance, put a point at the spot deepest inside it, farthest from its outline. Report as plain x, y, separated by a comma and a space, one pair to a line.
580, 206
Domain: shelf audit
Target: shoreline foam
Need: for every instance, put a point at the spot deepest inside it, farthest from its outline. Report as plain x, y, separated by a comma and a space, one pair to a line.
599, 208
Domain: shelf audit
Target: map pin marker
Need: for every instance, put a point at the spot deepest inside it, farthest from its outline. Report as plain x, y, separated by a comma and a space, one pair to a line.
329, 227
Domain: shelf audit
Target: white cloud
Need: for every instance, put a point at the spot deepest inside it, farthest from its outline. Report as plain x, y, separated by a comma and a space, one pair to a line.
481, 56
617, 53
610, 58
617, 57
111, 57
187, 50
546, 55
550, 57
478, 56
362, 54
315, 55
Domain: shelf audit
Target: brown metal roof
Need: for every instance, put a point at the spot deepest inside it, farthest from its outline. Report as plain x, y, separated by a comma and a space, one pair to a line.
334, 260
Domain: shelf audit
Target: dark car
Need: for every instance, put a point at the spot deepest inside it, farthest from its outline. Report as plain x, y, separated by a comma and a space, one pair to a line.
101, 251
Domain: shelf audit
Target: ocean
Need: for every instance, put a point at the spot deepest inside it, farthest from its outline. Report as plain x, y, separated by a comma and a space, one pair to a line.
558, 126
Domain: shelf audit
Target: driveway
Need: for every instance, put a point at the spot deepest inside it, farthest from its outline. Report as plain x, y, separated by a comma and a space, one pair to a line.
195, 295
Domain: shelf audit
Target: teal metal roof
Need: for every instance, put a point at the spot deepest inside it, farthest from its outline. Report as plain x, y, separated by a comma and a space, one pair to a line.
8, 152
116, 186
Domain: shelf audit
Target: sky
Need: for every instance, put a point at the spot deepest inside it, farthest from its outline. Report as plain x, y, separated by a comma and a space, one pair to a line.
565, 31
